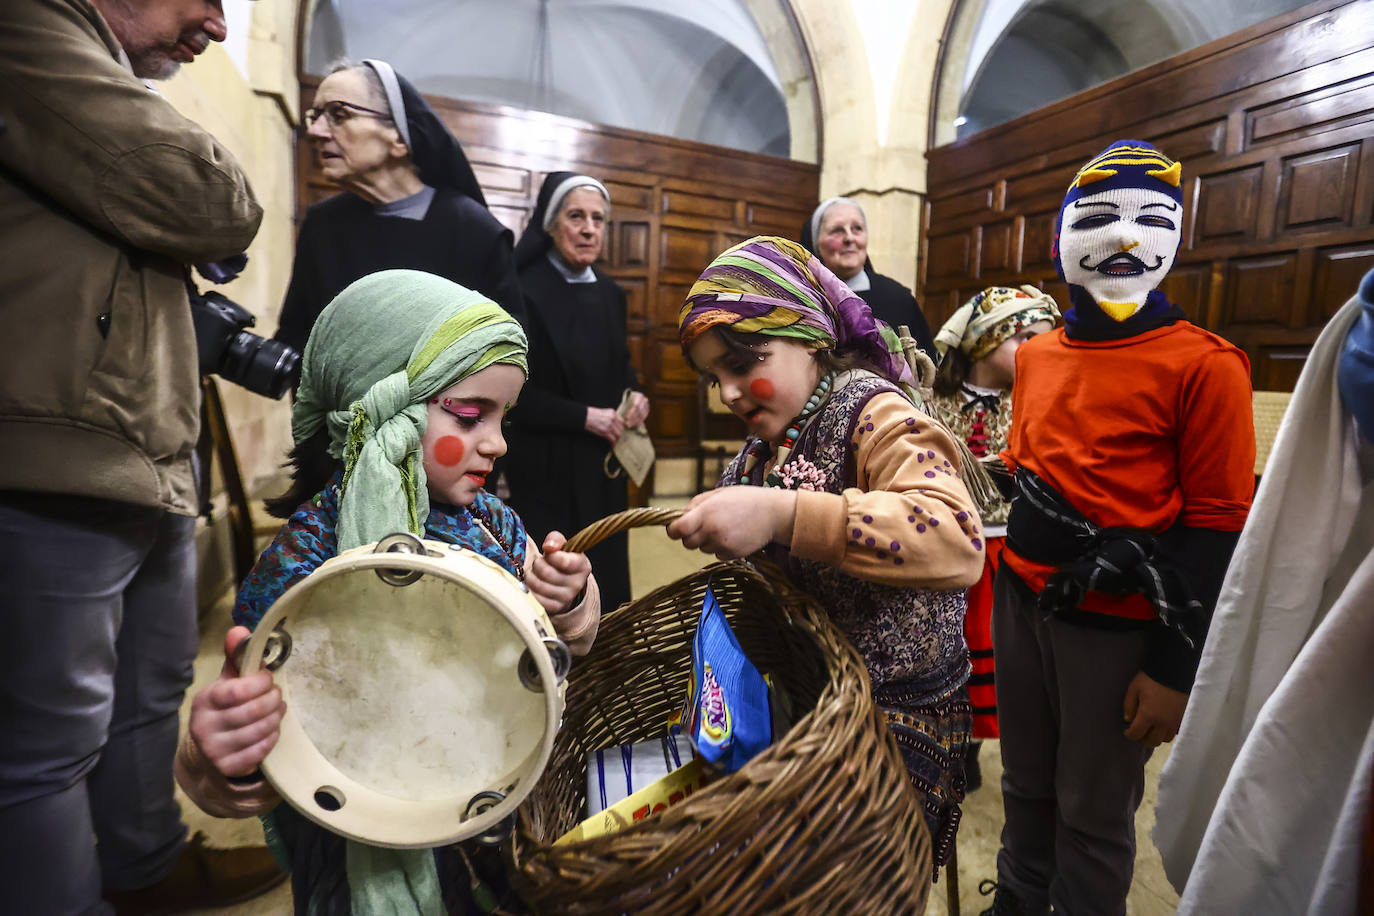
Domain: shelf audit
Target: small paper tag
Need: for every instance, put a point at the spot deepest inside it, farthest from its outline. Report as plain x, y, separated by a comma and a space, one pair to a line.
634, 449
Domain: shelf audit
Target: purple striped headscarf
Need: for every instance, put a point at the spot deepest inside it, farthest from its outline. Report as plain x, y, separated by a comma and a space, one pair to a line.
772, 286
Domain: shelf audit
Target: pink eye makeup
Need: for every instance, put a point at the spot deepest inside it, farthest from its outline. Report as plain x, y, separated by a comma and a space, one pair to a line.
465, 411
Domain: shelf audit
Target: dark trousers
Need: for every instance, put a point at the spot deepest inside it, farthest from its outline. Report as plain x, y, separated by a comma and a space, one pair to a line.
97, 605
1071, 782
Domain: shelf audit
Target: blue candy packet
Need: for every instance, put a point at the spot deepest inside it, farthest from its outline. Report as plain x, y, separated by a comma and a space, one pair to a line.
727, 715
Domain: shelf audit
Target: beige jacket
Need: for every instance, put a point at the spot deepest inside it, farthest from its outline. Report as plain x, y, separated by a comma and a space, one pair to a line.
105, 193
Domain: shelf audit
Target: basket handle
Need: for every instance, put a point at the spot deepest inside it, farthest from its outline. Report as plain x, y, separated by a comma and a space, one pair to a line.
611, 525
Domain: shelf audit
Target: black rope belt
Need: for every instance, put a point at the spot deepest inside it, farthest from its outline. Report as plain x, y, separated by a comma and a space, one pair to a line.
1044, 527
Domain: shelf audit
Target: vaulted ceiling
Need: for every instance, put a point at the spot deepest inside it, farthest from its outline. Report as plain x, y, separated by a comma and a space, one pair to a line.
698, 71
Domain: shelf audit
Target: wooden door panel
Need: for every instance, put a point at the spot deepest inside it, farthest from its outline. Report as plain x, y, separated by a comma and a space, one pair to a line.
498, 178
1260, 290
632, 243
679, 202
1338, 275
1316, 109
1187, 286
1037, 241
950, 256
1228, 206
1000, 249
634, 196
686, 251
1317, 190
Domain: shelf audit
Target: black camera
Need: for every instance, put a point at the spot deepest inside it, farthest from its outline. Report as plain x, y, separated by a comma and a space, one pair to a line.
266, 367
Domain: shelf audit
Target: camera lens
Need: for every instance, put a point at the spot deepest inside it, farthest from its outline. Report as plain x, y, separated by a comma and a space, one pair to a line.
263, 366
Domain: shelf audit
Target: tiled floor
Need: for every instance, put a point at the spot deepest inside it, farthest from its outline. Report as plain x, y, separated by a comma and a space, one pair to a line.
655, 561
979, 840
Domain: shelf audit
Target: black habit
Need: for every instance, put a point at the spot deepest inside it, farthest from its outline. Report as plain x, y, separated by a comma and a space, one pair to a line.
344, 239
556, 469
578, 359
893, 303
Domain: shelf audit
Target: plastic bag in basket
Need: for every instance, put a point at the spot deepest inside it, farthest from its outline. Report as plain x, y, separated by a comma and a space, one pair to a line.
727, 717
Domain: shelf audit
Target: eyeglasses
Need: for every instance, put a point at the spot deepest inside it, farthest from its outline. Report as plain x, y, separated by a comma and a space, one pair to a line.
338, 111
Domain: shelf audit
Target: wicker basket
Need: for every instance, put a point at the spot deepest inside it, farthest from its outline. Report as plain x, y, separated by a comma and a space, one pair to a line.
823, 821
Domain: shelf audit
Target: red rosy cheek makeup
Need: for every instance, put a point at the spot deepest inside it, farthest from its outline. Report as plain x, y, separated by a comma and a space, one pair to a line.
449, 451
762, 389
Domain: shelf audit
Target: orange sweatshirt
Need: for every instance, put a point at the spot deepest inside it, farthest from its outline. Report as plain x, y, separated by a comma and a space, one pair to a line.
1135, 433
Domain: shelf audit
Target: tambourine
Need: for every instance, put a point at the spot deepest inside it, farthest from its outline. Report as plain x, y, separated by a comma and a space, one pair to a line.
423, 685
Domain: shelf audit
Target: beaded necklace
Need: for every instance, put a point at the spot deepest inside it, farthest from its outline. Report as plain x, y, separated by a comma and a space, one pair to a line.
486, 525
761, 449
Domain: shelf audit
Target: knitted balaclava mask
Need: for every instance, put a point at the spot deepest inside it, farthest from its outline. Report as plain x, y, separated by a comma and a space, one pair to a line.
1120, 226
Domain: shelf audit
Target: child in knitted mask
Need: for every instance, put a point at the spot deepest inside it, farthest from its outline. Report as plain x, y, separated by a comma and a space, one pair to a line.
978, 346
852, 489
1132, 449
406, 378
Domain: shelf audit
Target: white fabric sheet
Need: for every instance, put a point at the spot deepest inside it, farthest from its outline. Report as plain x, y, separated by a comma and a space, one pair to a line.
1273, 745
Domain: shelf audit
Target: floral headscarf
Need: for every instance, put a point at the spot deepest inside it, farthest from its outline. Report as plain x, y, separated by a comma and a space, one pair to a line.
994, 316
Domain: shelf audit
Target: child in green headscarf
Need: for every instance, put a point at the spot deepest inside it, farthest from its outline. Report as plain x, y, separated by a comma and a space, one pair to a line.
405, 380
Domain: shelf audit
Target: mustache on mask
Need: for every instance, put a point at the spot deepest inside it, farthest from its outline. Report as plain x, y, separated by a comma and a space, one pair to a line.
1135, 265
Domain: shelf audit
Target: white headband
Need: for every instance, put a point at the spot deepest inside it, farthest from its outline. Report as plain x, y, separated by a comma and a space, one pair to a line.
392, 87
567, 186
819, 213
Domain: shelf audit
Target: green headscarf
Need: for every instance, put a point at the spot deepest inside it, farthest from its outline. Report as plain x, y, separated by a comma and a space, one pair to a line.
386, 345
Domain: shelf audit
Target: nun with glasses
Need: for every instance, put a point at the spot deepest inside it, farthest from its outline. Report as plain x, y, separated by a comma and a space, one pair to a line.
580, 371
410, 199
837, 233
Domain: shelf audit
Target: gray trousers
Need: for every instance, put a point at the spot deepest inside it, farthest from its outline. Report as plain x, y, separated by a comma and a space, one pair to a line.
97, 603
1071, 782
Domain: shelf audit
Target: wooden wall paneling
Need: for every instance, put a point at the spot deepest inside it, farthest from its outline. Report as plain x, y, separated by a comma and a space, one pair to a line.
1275, 48
1058, 290
1187, 286
1275, 129
1037, 241
1333, 100
636, 301
1364, 185
770, 219
679, 202
1260, 290
1276, 357
684, 252
999, 250
1228, 206
1317, 189
667, 304
1338, 272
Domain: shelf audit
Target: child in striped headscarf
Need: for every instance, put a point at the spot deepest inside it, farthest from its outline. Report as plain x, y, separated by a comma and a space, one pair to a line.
405, 380
978, 347
855, 491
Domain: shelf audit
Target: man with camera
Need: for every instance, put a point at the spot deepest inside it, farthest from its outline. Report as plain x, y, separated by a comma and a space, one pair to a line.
106, 193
